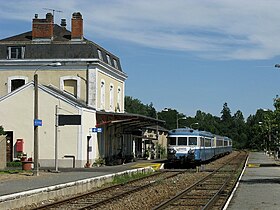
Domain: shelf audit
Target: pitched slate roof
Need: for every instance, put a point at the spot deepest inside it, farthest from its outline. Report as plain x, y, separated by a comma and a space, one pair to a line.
60, 47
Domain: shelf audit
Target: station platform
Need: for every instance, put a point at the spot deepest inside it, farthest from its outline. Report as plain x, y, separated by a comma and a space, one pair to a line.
259, 186
48, 177
50, 184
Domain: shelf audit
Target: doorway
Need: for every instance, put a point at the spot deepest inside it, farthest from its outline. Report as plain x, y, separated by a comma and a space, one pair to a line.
9, 146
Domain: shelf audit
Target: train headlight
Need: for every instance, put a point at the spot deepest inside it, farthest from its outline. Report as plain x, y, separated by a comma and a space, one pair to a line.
171, 151
191, 151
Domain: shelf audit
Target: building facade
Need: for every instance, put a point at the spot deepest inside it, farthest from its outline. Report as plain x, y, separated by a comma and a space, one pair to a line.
77, 76
87, 71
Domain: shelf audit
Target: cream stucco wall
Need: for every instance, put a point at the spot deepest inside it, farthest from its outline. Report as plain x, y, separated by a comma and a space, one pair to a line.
45, 76
55, 76
108, 80
17, 116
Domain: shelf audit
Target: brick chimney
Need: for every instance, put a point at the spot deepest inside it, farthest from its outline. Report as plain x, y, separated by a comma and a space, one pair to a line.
77, 27
42, 29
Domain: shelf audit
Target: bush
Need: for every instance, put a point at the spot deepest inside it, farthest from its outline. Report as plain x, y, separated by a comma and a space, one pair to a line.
14, 164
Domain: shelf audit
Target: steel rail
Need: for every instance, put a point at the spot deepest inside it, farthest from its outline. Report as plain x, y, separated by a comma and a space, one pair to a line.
212, 199
119, 188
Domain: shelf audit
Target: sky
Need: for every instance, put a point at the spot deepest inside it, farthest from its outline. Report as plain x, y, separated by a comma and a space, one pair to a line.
186, 55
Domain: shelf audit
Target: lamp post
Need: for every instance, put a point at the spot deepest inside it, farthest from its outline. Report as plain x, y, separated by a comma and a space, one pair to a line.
266, 144
177, 116
182, 118
36, 118
196, 123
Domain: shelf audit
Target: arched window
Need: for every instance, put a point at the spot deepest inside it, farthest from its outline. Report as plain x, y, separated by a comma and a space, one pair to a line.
119, 99
15, 82
102, 95
70, 84
111, 97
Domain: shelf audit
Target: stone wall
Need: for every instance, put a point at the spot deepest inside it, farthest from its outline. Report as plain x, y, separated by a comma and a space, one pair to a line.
2, 152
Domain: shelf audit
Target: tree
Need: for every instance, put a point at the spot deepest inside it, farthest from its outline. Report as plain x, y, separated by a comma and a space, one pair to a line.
226, 114
135, 106
2, 132
170, 117
238, 130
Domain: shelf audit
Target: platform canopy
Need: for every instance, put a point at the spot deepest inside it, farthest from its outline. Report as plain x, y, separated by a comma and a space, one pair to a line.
127, 121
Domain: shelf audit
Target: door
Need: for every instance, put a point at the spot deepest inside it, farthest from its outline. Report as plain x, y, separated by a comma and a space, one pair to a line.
9, 146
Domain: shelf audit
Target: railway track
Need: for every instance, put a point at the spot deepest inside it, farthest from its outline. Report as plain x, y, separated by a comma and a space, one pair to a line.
97, 198
208, 189
212, 191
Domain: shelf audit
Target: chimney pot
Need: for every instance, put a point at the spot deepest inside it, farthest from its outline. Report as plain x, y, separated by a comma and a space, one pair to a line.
49, 17
63, 22
77, 26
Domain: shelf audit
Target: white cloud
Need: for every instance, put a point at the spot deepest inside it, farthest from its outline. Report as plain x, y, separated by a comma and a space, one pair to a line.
218, 29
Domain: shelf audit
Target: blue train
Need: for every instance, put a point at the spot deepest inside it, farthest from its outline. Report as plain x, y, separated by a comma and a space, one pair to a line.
188, 146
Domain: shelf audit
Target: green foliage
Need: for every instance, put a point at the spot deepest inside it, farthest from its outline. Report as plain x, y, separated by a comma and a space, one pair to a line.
127, 177
135, 106
99, 162
14, 164
2, 130
260, 131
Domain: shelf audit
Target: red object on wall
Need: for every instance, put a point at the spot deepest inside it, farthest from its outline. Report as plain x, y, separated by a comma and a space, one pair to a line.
19, 145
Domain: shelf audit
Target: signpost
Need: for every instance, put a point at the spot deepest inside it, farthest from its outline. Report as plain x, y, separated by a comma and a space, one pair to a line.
96, 130
38, 122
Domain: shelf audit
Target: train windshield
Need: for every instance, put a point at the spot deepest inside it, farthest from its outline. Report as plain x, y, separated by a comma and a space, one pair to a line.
182, 141
193, 141
172, 140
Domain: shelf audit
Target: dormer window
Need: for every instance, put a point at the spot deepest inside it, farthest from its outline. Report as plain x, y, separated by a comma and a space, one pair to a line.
108, 59
16, 52
100, 54
115, 63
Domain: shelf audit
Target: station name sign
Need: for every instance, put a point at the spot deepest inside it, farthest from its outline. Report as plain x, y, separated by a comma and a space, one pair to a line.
69, 120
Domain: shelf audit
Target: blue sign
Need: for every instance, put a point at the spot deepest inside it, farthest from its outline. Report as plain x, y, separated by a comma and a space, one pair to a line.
38, 122
96, 130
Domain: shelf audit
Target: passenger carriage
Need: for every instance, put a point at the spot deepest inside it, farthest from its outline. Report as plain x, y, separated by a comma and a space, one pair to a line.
186, 145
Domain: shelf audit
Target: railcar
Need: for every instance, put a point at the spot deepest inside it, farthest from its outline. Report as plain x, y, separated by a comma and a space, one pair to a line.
188, 146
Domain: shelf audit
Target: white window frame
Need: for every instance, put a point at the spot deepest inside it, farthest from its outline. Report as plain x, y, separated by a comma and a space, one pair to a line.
62, 79
100, 54
14, 78
115, 63
119, 98
111, 91
22, 48
102, 94
108, 59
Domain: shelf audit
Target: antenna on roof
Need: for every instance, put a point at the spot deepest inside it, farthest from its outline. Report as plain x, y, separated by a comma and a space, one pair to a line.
53, 10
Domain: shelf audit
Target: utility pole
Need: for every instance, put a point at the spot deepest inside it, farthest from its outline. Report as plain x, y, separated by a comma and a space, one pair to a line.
36, 145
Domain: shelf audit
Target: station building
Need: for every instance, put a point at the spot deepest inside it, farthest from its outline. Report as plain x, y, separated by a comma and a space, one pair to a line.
76, 77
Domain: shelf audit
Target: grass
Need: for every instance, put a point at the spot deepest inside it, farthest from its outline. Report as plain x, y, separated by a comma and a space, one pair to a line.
128, 177
11, 171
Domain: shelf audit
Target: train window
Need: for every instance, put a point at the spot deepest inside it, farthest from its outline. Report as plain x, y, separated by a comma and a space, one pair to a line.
219, 143
225, 143
192, 140
182, 141
207, 142
202, 142
172, 140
